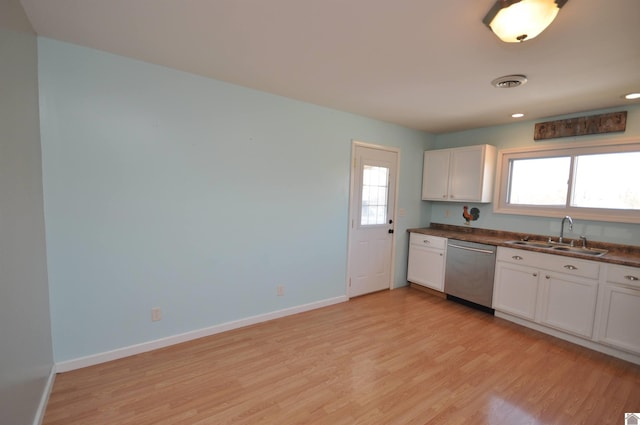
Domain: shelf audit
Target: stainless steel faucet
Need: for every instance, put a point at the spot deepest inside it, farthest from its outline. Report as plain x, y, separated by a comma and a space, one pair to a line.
562, 227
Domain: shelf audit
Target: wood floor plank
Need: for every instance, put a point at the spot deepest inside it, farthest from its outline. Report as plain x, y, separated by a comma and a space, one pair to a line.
394, 357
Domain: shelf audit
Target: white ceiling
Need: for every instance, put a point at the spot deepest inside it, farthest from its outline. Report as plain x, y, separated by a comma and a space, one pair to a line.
423, 64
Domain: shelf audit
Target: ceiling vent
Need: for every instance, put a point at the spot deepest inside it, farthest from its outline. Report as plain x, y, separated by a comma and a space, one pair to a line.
509, 81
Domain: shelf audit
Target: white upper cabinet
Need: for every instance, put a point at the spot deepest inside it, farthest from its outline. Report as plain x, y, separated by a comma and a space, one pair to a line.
435, 175
460, 174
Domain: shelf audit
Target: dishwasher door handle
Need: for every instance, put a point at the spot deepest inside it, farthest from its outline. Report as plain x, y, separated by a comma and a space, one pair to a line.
466, 248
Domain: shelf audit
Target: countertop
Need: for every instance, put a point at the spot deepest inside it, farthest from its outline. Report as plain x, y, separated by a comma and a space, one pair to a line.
626, 255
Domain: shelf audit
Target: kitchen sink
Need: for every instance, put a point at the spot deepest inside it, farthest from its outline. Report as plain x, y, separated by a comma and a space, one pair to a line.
594, 252
535, 244
591, 252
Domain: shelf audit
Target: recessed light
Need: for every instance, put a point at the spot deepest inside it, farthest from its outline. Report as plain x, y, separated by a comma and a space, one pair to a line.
517, 115
632, 96
509, 81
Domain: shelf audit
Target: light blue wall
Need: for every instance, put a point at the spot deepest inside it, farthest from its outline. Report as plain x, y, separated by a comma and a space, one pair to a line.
26, 357
520, 135
167, 189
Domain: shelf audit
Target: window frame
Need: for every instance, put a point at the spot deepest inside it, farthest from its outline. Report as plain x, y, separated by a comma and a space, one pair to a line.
501, 206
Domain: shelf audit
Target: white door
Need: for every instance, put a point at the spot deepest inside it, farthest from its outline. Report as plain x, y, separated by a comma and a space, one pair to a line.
372, 208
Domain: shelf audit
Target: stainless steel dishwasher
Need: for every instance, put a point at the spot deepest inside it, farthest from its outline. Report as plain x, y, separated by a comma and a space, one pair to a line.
469, 272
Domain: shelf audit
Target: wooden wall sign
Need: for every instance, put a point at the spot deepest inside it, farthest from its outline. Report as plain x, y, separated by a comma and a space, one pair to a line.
594, 124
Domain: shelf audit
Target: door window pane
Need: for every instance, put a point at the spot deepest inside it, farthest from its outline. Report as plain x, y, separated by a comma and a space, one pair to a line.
607, 181
539, 181
375, 195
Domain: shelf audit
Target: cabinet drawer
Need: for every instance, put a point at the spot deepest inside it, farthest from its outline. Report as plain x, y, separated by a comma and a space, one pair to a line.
629, 276
572, 266
427, 241
550, 262
518, 256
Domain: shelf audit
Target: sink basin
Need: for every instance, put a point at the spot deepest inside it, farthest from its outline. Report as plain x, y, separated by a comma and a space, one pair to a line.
534, 244
594, 252
591, 252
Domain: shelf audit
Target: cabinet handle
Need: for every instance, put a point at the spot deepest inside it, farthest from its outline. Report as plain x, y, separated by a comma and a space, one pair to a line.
517, 257
631, 278
441, 254
570, 267
535, 275
547, 277
426, 241
444, 196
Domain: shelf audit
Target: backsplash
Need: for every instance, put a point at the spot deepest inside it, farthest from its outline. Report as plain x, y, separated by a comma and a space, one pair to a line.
619, 233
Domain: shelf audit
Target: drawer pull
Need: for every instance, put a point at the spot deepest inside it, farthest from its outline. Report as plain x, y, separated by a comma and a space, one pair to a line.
547, 277
517, 257
426, 241
570, 267
535, 275
631, 278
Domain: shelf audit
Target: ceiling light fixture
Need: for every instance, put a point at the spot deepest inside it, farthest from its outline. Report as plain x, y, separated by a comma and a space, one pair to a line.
519, 20
517, 115
632, 96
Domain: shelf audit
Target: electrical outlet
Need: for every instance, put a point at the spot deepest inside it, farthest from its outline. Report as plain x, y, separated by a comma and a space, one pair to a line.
280, 290
447, 213
156, 314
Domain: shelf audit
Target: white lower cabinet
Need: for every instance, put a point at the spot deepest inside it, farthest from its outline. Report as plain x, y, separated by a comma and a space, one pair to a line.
568, 303
555, 291
515, 290
587, 302
426, 260
620, 308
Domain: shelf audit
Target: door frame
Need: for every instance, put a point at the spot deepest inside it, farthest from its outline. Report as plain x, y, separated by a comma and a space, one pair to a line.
353, 204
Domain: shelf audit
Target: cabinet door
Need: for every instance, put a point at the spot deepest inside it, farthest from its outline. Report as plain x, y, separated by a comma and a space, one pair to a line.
466, 174
620, 318
515, 290
568, 303
426, 267
435, 175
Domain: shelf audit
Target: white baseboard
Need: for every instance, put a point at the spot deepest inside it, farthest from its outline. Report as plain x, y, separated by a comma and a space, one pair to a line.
119, 353
42, 407
611, 351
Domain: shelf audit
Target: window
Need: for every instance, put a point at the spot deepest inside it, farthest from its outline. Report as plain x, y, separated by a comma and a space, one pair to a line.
607, 181
375, 195
594, 182
539, 181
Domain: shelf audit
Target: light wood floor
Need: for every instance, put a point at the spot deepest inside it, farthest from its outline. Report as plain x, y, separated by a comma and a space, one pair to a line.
394, 357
